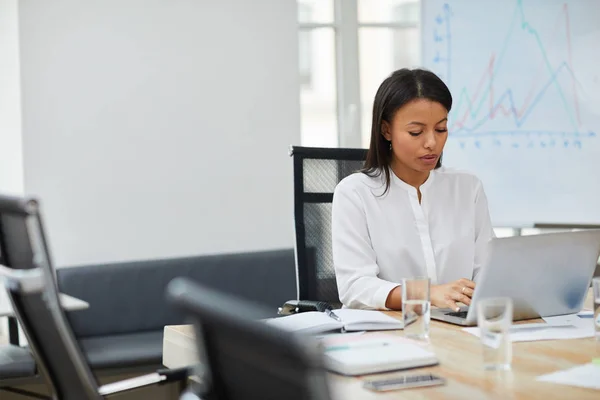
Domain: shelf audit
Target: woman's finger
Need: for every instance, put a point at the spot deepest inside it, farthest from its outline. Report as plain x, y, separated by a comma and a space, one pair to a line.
452, 305
467, 283
461, 297
463, 290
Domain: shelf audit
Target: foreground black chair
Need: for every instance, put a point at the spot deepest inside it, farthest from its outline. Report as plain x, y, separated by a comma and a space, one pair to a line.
243, 358
32, 290
317, 171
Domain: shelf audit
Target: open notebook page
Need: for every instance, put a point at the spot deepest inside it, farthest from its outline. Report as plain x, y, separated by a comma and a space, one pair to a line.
306, 322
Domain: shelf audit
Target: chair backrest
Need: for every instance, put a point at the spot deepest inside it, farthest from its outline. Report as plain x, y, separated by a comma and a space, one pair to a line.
30, 282
13, 250
244, 358
317, 171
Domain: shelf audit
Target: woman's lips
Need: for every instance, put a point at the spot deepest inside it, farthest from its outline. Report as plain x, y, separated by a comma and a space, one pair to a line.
429, 159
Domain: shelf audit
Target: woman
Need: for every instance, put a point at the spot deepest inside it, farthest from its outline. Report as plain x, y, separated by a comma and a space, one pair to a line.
404, 215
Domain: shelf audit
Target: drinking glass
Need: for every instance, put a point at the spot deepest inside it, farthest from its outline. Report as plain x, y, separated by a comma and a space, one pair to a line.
494, 318
416, 307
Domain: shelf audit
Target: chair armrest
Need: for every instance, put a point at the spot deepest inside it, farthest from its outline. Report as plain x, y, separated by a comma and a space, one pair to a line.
160, 377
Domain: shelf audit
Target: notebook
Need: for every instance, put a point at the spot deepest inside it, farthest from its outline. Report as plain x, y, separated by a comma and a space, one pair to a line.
374, 353
350, 320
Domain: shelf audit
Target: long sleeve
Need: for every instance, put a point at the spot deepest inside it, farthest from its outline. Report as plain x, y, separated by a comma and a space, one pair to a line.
483, 229
354, 259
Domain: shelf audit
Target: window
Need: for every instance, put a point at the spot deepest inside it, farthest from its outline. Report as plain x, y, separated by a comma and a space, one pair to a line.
346, 48
317, 66
406, 41
389, 39
305, 46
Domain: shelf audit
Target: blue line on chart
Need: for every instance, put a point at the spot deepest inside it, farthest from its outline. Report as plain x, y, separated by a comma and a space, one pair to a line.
508, 93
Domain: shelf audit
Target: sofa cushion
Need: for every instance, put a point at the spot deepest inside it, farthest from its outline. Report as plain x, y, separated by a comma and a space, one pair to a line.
16, 362
121, 351
129, 297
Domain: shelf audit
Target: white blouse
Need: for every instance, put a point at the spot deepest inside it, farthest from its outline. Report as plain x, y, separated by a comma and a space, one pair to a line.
378, 240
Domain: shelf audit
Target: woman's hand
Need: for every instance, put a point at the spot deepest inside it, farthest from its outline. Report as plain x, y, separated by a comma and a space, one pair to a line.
447, 295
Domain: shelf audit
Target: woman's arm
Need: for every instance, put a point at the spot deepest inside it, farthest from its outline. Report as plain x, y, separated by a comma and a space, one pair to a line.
354, 259
394, 299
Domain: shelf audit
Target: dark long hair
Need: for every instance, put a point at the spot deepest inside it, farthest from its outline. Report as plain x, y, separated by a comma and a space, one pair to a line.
403, 86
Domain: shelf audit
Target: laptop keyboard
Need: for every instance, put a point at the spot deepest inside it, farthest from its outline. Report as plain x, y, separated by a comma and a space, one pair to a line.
459, 314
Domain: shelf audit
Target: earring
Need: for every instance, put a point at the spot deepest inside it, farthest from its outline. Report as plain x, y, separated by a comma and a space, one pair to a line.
390, 145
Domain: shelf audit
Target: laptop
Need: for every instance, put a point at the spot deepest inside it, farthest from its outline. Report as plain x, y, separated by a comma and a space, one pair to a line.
545, 275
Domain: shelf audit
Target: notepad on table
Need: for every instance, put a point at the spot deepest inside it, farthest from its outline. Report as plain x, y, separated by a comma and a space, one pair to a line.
375, 353
350, 320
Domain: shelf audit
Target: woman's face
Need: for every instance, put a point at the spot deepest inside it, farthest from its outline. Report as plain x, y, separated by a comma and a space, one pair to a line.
418, 132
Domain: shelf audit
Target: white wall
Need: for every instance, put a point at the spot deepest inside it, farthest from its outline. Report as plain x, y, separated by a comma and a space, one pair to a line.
158, 128
11, 159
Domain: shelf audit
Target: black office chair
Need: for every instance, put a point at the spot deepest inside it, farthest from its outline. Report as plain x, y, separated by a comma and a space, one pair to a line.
13, 326
317, 171
32, 290
243, 358
17, 365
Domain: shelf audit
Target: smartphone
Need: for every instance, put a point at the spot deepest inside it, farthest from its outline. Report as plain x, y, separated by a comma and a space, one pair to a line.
403, 382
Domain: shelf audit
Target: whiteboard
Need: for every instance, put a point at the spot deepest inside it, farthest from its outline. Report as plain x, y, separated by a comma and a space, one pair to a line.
525, 81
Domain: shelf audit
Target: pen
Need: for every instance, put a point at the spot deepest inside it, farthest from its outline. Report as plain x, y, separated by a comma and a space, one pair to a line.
332, 315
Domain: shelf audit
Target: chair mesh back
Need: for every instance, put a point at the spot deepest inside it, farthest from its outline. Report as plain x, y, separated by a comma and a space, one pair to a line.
43, 320
322, 176
316, 174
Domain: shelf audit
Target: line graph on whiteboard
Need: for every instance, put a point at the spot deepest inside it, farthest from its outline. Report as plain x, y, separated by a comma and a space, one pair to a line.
524, 90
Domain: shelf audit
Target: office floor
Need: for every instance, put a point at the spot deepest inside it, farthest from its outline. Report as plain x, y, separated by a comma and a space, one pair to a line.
166, 392
163, 392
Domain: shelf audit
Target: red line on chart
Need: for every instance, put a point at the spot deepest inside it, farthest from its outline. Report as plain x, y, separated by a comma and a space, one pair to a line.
488, 73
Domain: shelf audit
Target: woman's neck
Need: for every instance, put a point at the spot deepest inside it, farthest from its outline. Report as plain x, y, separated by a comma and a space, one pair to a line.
410, 176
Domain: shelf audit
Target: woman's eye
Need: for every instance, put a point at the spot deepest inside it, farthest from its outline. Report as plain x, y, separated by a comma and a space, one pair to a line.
441, 130
415, 133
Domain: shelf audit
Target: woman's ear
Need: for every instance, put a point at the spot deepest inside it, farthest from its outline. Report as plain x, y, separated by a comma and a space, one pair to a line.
385, 131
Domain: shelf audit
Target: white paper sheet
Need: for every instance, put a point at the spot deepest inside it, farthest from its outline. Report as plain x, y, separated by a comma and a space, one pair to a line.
587, 376
570, 319
556, 330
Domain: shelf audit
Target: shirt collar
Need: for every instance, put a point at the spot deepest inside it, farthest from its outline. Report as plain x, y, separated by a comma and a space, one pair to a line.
399, 182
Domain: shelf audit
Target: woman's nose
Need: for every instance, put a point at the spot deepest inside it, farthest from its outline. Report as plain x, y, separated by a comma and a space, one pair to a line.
430, 141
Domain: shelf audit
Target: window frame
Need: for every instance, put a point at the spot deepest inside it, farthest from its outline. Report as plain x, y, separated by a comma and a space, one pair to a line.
346, 27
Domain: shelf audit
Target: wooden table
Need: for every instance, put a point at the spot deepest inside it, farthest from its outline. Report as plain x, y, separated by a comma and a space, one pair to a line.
460, 363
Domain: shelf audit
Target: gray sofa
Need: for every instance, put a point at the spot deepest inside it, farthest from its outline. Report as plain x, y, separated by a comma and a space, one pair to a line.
123, 328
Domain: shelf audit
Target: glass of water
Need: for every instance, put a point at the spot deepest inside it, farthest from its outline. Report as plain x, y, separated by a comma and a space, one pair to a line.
416, 307
494, 318
596, 294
